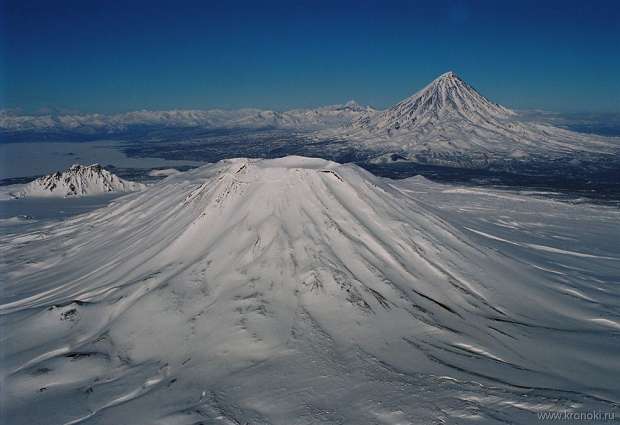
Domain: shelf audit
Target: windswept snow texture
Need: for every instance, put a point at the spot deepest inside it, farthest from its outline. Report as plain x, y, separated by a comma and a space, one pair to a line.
449, 122
78, 180
301, 291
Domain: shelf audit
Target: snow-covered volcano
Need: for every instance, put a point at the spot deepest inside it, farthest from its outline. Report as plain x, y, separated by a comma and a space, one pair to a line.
447, 97
448, 120
296, 290
78, 180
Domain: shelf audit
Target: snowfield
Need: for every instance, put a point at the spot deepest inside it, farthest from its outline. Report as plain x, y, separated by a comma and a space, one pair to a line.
301, 291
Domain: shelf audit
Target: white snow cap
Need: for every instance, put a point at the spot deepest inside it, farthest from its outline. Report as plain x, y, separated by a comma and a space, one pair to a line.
449, 74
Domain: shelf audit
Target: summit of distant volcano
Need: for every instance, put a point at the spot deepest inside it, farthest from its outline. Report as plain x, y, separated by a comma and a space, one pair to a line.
446, 96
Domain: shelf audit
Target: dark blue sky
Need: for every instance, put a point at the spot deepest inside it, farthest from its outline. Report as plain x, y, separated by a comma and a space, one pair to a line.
108, 56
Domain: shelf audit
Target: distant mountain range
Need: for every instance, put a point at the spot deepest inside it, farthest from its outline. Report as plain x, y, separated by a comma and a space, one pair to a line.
325, 116
446, 123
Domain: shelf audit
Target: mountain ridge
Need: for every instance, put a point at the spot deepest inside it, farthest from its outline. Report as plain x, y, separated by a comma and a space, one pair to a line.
302, 118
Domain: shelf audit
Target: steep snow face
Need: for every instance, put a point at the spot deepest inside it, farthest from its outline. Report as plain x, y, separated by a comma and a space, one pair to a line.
449, 117
259, 291
78, 180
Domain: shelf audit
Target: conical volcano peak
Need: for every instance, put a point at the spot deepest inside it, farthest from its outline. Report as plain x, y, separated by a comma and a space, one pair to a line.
449, 80
448, 75
450, 122
447, 97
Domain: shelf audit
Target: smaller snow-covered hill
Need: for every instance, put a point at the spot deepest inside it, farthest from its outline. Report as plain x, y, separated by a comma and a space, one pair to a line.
79, 180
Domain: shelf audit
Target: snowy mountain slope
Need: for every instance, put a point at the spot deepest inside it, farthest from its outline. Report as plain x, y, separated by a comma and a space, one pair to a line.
322, 117
299, 290
78, 180
444, 98
449, 121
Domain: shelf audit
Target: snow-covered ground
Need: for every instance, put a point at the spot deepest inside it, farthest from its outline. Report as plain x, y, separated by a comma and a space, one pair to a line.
301, 291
